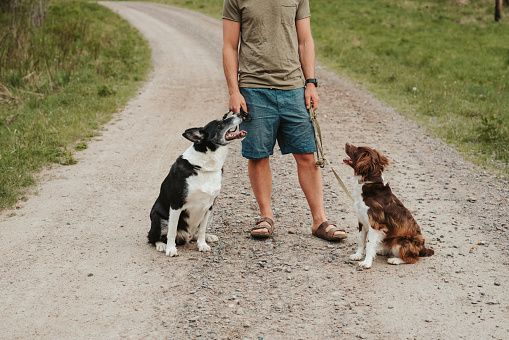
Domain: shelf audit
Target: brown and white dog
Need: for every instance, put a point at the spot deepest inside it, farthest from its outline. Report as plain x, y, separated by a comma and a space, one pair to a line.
385, 225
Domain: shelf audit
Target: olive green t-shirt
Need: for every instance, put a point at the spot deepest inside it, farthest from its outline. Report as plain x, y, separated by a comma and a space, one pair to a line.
268, 54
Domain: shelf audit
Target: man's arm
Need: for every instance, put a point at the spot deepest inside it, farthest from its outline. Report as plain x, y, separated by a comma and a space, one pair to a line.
307, 59
231, 33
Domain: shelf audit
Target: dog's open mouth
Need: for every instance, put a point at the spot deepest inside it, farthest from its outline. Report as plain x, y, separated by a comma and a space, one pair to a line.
231, 134
348, 161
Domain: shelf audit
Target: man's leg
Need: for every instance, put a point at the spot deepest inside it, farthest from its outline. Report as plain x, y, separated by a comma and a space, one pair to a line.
310, 179
260, 176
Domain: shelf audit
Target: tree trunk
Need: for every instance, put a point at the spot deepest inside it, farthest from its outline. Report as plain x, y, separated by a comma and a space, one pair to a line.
498, 9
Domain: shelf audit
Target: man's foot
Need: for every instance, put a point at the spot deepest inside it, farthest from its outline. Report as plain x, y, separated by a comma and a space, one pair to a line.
329, 232
263, 228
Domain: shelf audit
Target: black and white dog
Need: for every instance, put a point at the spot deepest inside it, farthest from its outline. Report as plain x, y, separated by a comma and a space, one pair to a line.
184, 206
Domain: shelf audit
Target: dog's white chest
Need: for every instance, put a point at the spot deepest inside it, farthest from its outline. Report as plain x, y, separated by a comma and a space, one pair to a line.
361, 209
202, 191
205, 186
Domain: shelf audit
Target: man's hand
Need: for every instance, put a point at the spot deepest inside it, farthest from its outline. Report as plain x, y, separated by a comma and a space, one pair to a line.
311, 95
236, 102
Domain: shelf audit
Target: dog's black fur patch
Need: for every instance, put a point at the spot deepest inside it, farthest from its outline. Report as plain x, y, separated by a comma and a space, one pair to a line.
172, 194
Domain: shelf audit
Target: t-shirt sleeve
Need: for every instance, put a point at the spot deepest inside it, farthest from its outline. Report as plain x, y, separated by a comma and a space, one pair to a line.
231, 10
303, 10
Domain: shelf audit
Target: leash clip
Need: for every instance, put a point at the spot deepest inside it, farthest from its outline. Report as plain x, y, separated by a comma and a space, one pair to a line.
246, 116
320, 162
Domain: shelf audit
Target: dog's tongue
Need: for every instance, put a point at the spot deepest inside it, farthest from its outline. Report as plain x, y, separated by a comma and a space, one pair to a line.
348, 161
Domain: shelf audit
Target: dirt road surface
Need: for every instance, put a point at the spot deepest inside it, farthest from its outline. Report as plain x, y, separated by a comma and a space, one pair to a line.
75, 263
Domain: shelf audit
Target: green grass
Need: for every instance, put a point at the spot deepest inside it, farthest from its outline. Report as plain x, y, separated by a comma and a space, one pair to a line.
59, 81
442, 62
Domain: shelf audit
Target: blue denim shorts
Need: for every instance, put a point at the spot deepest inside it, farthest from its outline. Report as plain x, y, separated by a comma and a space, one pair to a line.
276, 115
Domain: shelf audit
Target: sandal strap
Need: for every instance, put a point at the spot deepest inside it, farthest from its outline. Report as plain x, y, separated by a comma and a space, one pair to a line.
332, 230
270, 228
329, 234
324, 226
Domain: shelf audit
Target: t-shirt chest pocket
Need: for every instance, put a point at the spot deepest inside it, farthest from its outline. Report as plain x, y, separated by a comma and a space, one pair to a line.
288, 13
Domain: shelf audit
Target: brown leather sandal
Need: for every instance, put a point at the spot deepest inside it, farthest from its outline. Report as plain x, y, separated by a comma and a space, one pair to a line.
269, 227
329, 235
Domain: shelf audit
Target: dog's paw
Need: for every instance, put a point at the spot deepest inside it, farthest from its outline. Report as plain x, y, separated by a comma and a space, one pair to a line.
171, 251
161, 246
203, 247
356, 257
365, 264
211, 238
395, 260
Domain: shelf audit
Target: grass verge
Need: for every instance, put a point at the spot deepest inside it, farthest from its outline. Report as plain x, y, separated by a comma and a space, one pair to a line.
443, 63
63, 71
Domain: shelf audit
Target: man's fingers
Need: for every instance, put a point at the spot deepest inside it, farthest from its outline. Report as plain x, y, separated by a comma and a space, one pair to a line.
237, 102
315, 103
235, 108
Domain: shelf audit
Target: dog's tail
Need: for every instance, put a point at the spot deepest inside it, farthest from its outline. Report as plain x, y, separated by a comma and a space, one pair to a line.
426, 252
412, 247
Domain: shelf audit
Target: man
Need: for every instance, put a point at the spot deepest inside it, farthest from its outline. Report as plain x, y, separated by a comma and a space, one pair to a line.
272, 77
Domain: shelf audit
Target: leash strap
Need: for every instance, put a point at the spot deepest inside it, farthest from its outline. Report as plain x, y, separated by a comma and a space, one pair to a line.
245, 115
321, 160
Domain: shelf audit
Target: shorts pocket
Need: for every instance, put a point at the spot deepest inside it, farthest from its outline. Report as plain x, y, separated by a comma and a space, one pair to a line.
288, 13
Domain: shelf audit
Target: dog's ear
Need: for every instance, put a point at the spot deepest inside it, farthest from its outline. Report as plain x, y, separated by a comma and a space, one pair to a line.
384, 161
194, 134
363, 165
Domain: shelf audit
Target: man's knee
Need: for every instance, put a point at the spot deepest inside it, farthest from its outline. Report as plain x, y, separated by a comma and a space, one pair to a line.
258, 161
305, 158
261, 164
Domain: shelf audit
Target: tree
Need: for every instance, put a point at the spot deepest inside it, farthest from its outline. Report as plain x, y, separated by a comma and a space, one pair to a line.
498, 8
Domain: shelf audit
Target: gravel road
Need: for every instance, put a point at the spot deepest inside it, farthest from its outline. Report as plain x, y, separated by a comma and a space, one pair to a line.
75, 263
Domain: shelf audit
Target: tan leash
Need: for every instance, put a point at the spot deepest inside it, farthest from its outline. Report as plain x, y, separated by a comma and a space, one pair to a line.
321, 160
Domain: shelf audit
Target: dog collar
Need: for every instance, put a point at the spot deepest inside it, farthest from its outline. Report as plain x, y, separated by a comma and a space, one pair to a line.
360, 181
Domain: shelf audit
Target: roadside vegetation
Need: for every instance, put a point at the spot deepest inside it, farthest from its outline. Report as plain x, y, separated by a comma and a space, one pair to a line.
65, 67
446, 63
443, 63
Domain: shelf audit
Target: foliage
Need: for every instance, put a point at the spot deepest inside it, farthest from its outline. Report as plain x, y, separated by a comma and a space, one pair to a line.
62, 73
444, 62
